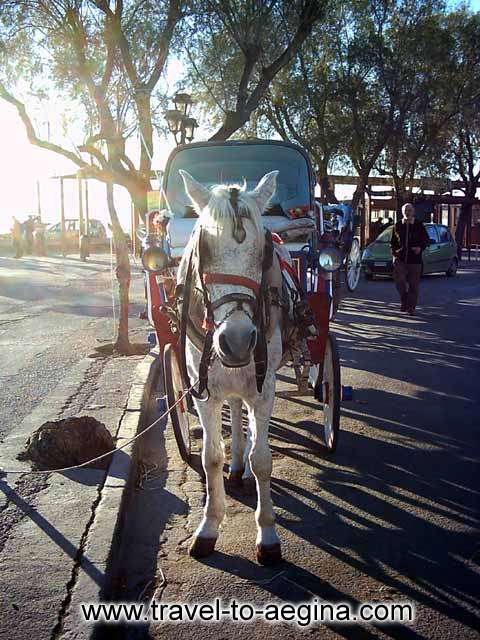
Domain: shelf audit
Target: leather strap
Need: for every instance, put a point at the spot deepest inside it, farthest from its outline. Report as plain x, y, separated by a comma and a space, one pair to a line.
207, 346
238, 298
227, 278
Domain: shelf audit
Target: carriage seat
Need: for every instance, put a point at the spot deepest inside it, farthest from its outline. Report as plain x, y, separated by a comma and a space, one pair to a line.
294, 233
290, 230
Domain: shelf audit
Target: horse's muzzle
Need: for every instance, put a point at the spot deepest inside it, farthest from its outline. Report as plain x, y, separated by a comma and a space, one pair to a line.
235, 345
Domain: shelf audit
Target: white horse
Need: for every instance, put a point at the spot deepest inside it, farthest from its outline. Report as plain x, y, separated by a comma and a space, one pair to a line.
229, 242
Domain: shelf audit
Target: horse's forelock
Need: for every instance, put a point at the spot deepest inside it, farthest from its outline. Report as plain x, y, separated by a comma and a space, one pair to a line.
220, 209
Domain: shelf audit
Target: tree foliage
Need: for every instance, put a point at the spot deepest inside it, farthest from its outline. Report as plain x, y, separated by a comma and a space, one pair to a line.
426, 83
378, 85
104, 64
235, 50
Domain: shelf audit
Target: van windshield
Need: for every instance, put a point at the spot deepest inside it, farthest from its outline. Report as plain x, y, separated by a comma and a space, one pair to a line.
232, 164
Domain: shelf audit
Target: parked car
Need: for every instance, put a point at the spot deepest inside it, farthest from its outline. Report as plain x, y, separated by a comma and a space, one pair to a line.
440, 256
97, 235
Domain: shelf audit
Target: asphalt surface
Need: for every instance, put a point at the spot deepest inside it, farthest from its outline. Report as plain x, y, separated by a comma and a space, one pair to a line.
53, 312
392, 516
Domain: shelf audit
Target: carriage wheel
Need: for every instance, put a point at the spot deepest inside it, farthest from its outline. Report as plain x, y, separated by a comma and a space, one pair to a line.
174, 388
353, 266
328, 388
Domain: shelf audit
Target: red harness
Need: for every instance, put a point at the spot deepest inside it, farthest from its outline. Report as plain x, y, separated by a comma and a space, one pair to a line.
227, 278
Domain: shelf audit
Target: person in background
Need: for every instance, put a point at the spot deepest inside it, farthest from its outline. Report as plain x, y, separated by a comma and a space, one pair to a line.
409, 240
17, 239
376, 228
29, 226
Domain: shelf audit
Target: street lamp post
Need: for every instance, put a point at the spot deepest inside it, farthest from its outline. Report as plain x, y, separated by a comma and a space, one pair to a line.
179, 121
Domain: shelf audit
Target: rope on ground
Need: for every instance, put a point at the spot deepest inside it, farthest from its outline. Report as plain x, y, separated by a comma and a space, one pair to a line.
104, 455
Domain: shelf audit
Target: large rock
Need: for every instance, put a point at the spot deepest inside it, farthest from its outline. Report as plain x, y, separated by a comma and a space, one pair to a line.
68, 442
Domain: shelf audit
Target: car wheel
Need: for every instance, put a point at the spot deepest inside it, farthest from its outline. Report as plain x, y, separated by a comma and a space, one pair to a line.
369, 276
452, 270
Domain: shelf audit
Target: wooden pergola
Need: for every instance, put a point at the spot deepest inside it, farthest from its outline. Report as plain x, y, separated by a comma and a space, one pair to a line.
84, 211
441, 193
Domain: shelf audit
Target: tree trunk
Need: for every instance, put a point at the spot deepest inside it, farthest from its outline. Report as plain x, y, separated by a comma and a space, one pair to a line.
359, 196
233, 122
399, 188
327, 194
122, 343
464, 220
138, 189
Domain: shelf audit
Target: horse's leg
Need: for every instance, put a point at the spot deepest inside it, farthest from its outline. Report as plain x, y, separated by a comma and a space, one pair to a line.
213, 456
237, 464
248, 479
268, 542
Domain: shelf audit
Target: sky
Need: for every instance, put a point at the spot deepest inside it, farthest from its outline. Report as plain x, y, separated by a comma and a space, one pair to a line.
22, 165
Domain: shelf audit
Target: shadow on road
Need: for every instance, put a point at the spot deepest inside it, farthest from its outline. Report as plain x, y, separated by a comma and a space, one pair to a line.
394, 515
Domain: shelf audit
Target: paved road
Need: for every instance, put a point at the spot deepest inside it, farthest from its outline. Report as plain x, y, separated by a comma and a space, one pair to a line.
394, 515
53, 312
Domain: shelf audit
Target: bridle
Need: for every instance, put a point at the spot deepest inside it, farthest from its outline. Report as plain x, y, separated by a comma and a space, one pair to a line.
256, 300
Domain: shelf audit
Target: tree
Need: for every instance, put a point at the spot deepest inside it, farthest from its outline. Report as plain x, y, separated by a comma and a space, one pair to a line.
236, 50
105, 64
302, 107
363, 109
457, 155
457, 151
425, 84
329, 99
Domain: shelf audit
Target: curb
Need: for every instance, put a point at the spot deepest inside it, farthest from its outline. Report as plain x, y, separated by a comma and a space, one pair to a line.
107, 523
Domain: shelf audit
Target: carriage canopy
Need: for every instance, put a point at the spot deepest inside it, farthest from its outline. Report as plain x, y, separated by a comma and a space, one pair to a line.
233, 162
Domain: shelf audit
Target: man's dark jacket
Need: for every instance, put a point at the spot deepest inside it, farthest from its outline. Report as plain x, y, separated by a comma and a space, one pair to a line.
404, 237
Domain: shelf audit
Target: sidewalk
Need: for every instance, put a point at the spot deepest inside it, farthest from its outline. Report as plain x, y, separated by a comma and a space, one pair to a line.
51, 542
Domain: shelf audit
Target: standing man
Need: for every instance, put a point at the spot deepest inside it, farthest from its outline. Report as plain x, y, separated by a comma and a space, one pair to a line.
409, 240
17, 239
29, 226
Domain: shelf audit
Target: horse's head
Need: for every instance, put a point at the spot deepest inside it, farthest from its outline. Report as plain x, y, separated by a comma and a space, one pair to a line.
231, 251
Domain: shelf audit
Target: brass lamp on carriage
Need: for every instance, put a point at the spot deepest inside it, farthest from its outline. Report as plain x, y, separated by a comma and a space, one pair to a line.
154, 257
330, 258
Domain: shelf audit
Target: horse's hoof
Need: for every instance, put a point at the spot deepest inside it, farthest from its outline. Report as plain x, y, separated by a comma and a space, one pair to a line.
202, 547
269, 555
234, 478
249, 486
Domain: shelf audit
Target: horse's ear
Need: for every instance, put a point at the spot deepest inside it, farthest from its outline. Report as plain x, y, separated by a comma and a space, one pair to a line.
265, 189
198, 194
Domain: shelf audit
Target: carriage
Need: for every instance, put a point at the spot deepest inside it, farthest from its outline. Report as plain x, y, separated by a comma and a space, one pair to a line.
319, 242
340, 220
